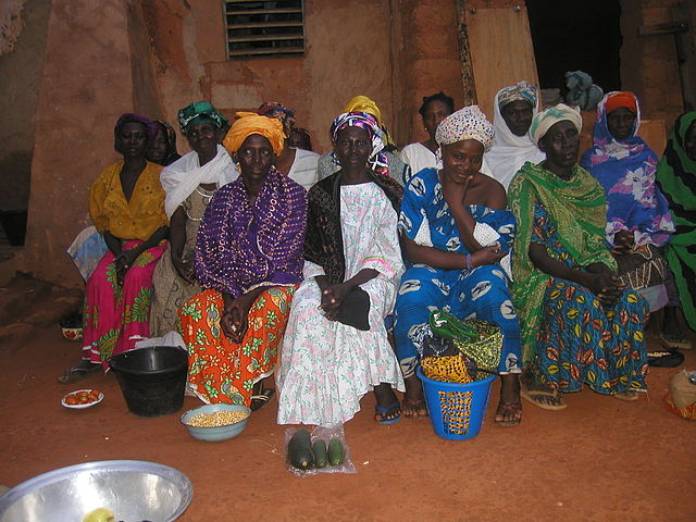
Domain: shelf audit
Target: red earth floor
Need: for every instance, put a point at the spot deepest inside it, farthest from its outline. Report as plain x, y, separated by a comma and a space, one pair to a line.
599, 460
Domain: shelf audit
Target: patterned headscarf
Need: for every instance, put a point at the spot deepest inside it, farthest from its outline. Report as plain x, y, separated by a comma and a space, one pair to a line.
279, 111
626, 169
377, 160
676, 178
366, 104
544, 120
521, 91
202, 110
170, 137
129, 117
468, 123
621, 99
248, 123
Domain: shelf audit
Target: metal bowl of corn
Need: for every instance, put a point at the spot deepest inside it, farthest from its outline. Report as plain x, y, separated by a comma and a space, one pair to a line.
216, 422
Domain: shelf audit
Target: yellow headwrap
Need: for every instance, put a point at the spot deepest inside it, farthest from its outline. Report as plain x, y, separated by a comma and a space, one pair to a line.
248, 123
366, 104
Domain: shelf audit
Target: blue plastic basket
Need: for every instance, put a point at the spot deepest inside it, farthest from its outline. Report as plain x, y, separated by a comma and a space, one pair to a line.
456, 410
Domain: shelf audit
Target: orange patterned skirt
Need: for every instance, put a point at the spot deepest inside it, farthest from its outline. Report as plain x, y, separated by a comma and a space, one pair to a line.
219, 369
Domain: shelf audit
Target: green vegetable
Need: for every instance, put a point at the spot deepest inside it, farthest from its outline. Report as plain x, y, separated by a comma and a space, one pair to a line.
320, 456
336, 452
300, 450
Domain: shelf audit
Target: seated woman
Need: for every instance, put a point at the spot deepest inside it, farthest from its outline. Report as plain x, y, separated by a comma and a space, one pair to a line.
639, 222
579, 325
249, 261
189, 184
299, 164
336, 347
386, 163
676, 177
162, 150
445, 217
514, 107
421, 155
126, 204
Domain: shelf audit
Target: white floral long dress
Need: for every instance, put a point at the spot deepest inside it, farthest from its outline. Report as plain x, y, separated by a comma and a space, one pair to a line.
326, 366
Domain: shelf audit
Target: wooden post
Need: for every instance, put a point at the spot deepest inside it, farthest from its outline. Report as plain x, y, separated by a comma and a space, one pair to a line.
465, 55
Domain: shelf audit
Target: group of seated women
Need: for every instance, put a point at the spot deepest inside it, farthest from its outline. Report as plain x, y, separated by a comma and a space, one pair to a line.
270, 259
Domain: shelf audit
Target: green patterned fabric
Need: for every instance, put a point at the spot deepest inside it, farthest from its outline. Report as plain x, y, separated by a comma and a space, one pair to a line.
676, 177
196, 112
579, 208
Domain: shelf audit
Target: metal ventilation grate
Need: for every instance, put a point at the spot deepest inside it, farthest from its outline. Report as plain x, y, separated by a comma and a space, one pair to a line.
264, 28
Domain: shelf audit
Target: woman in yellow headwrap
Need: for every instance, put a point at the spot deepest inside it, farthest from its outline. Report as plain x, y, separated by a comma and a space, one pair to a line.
394, 167
248, 261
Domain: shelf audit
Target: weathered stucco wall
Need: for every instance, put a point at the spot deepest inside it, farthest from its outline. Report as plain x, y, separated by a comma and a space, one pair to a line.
105, 58
429, 60
85, 85
347, 53
649, 62
22, 43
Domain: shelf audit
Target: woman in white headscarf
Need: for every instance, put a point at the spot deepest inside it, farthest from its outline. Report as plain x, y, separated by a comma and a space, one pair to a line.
189, 184
514, 107
469, 230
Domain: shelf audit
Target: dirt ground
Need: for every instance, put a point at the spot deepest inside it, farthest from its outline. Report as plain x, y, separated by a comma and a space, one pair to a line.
600, 460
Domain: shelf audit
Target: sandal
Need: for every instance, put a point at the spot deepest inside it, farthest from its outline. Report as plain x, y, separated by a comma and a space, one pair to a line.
384, 411
629, 395
675, 341
77, 373
665, 358
533, 396
259, 401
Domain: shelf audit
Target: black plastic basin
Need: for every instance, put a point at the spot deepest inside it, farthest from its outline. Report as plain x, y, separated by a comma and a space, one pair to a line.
153, 380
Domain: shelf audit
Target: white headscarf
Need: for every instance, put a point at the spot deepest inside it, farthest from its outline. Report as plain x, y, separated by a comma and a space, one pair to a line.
509, 151
181, 178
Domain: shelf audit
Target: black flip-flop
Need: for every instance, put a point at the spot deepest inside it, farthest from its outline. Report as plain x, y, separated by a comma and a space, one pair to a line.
665, 358
259, 400
77, 373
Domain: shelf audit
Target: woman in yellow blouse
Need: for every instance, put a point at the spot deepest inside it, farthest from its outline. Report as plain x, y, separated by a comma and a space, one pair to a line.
126, 204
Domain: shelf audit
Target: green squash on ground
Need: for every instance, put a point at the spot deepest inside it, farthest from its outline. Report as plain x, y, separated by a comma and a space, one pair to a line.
300, 450
321, 458
336, 452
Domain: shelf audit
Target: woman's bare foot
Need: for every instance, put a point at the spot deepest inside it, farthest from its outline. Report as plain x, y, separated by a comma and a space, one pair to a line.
413, 404
509, 412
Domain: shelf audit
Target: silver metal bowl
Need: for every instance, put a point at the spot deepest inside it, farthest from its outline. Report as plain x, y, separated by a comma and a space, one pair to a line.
134, 490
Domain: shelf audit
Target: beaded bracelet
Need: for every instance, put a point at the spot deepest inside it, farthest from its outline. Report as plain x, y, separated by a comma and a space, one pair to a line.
468, 262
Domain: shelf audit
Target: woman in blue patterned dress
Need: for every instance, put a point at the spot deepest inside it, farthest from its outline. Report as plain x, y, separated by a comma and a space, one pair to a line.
455, 230
579, 324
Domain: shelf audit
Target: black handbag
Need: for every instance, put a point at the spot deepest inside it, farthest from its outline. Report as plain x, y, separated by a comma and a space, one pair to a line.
355, 309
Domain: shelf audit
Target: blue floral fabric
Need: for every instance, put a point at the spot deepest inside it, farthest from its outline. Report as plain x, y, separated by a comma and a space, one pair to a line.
481, 293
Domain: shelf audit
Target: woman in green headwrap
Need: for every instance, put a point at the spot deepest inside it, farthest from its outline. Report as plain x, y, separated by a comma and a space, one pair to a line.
676, 176
579, 325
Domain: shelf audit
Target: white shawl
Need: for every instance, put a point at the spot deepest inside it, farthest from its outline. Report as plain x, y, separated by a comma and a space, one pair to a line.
181, 178
509, 152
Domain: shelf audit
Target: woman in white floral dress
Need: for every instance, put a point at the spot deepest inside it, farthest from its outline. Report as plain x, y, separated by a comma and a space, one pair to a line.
336, 348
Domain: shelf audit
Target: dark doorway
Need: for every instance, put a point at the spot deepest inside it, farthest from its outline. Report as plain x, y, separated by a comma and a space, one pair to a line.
581, 35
